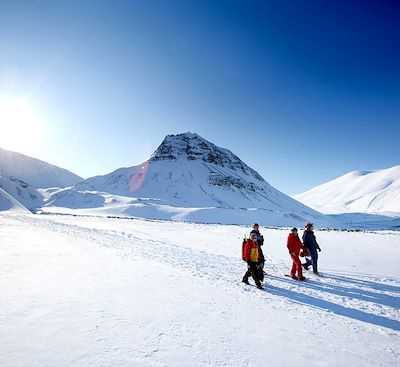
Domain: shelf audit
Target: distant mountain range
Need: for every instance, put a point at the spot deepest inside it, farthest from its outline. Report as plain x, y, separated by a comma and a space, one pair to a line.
189, 178
35, 172
358, 191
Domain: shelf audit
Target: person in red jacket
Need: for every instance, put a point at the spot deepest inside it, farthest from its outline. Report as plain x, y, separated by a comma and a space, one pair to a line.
251, 255
294, 246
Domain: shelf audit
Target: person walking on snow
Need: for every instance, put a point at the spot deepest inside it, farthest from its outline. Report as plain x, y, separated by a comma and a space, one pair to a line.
310, 242
251, 255
260, 242
294, 246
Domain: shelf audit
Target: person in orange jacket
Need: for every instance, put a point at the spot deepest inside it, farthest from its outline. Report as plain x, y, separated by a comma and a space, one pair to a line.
294, 246
251, 255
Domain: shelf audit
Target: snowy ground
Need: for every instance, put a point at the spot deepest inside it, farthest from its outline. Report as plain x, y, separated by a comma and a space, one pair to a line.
92, 291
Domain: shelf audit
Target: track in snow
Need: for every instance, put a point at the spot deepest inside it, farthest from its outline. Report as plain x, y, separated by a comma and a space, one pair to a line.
362, 297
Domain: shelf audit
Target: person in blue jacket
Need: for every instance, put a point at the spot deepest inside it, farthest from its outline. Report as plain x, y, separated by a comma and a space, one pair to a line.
311, 243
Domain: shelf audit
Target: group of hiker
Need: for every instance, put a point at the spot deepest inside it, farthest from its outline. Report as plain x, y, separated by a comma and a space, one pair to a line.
253, 255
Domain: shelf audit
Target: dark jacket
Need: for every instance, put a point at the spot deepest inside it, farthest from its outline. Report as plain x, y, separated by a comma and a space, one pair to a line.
310, 241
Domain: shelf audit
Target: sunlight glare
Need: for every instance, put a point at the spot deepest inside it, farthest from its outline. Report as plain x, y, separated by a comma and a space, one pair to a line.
21, 129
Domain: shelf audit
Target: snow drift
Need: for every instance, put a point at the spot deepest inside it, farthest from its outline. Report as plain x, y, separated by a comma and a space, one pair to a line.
22, 192
7, 202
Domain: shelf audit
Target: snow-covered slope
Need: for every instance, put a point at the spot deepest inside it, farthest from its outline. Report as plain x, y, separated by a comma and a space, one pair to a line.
357, 191
99, 292
20, 190
190, 178
34, 171
10, 204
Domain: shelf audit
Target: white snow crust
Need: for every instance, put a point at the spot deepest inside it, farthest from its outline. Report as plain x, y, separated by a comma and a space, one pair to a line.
94, 291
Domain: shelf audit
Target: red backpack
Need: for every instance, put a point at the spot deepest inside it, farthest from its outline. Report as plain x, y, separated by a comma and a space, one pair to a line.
243, 248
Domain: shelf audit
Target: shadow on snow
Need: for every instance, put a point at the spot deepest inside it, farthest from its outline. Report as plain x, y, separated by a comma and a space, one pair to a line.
366, 283
338, 309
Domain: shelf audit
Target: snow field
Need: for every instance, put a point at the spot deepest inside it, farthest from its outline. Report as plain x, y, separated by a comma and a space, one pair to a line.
79, 291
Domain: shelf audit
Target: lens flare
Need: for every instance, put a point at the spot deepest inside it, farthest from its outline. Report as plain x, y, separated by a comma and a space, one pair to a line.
136, 177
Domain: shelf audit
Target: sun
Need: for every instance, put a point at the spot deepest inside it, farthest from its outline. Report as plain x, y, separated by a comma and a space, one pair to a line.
21, 128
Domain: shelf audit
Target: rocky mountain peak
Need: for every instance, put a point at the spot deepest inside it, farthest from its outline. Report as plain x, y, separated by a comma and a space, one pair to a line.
193, 147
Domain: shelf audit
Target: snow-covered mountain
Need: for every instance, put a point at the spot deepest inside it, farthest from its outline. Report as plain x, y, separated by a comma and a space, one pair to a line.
358, 191
34, 171
188, 177
21, 191
9, 203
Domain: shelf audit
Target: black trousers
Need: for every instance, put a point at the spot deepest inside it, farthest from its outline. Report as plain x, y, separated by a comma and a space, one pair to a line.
253, 271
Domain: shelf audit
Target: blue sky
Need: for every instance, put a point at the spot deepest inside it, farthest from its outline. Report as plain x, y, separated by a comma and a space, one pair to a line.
301, 91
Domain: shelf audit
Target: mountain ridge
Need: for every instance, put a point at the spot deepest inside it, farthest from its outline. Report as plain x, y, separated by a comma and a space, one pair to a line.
375, 191
34, 171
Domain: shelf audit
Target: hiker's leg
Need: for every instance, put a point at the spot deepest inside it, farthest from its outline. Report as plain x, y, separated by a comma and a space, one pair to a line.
254, 274
297, 265
314, 256
293, 271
